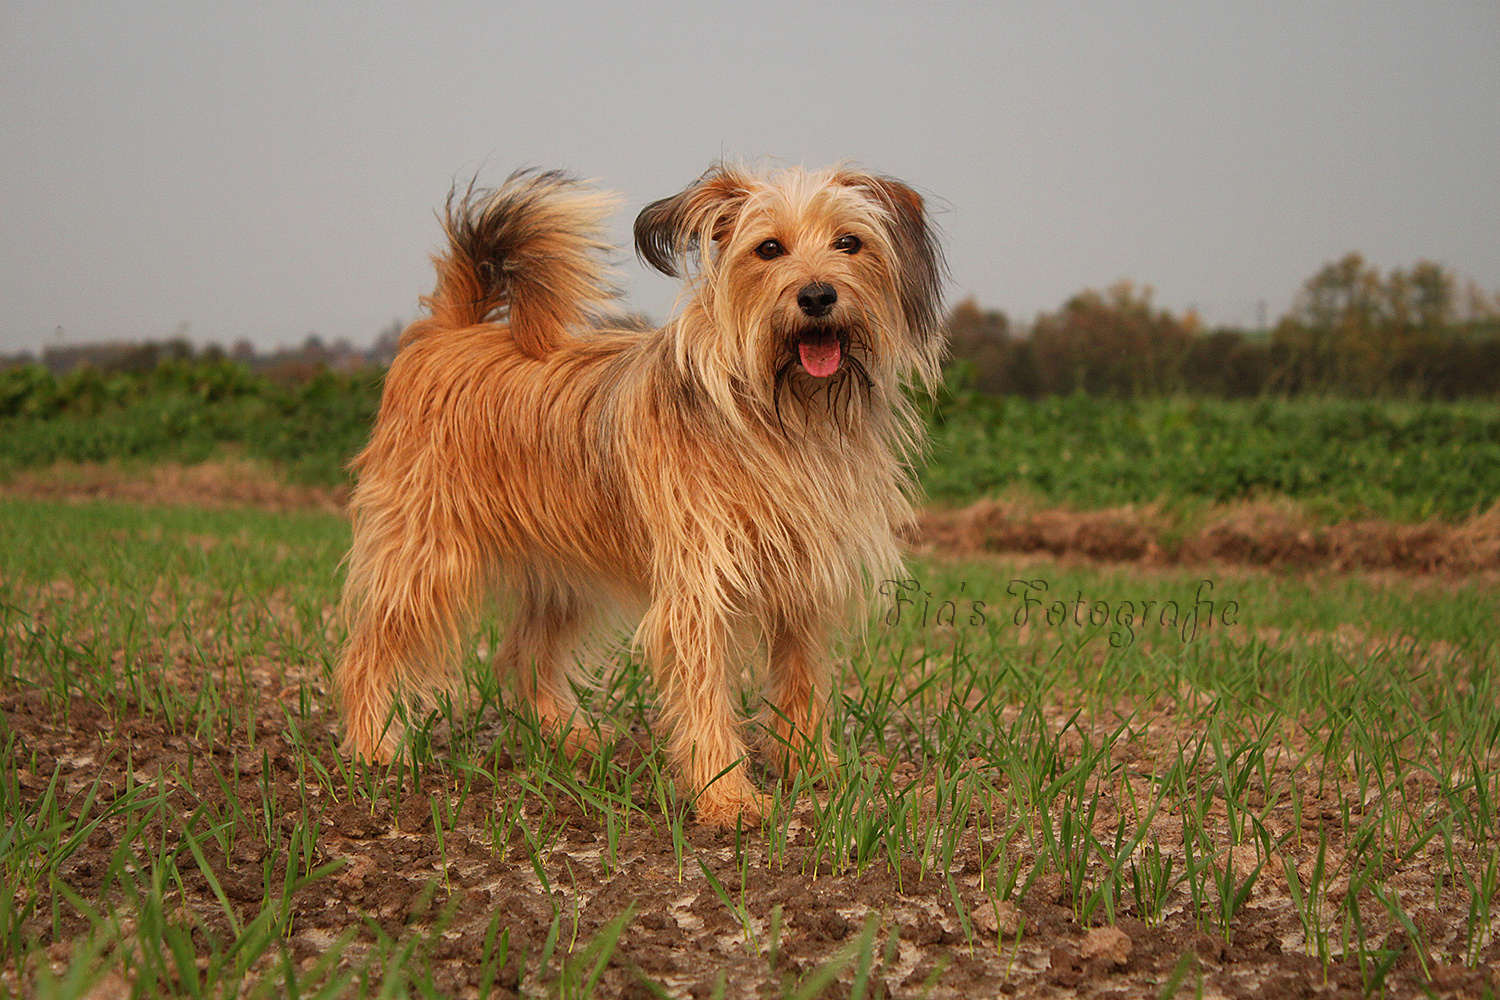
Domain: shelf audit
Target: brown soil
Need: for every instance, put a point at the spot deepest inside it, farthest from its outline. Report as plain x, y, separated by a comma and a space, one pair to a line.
399, 877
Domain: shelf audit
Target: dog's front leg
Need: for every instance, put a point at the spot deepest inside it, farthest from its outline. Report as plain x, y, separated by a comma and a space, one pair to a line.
688, 643
797, 696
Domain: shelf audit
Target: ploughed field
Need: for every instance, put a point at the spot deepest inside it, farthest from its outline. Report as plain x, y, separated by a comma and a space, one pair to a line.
1061, 770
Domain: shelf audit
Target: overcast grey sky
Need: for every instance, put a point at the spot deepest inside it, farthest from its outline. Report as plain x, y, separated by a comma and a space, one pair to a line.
271, 169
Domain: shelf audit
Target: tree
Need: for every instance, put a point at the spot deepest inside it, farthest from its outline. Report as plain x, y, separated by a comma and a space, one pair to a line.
1113, 341
983, 339
1352, 330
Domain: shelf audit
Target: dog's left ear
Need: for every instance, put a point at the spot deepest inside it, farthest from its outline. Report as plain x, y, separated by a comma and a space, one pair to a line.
915, 240
667, 232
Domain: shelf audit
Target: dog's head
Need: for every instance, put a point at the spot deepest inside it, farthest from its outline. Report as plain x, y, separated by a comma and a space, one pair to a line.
802, 283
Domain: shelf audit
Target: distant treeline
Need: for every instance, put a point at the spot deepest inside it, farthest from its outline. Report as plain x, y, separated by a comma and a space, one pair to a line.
1352, 332
283, 364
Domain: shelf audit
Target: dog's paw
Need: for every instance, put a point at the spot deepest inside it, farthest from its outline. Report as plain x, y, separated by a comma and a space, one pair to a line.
579, 740
742, 807
810, 757
375, 751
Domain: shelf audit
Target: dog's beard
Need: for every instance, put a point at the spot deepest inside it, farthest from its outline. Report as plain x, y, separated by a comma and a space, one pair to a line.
822, 367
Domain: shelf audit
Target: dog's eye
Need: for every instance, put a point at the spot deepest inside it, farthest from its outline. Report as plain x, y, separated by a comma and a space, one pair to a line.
849, 244
770, 250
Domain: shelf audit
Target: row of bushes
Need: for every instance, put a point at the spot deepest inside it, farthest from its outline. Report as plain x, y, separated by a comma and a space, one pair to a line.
185, 411
1340, 457
1226, 364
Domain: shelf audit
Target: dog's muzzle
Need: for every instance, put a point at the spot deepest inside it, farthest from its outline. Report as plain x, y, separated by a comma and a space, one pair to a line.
819, 348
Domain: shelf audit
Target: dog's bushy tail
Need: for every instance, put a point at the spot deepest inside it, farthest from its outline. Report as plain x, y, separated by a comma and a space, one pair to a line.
529, 252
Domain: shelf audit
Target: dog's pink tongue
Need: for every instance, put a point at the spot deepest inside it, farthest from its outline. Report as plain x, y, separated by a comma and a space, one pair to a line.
820, 357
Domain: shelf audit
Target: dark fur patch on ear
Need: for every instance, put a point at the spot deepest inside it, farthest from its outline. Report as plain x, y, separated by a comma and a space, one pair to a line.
668, 231
915, 239
659, 240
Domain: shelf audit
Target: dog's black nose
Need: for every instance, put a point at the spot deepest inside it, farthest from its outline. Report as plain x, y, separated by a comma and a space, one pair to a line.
817, 299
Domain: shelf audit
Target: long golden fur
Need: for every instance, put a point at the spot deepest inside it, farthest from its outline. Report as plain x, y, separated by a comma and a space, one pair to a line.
740, 474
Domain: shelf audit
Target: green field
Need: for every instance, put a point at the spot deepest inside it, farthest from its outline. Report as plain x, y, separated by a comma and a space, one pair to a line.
1337, 458
1255, 778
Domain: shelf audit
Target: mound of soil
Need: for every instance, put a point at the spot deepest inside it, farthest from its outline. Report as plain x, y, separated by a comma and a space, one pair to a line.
209, 484
1255, 533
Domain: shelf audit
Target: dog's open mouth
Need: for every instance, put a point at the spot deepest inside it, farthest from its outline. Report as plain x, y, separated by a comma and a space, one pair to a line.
821, 351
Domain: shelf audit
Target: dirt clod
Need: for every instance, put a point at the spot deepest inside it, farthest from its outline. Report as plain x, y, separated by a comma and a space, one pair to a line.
1108, 943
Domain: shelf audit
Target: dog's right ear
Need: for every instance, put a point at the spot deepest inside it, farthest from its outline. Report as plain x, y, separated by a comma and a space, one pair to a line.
669, 231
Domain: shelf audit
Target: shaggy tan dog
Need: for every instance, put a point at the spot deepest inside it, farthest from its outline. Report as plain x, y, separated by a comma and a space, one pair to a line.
738, 477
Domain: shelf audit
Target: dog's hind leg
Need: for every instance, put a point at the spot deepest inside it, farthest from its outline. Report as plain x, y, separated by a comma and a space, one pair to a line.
409, 598
534, 656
